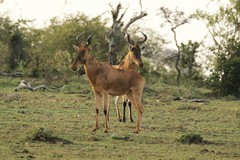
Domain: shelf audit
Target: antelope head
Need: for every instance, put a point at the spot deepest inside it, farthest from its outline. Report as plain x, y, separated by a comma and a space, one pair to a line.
135, 49
82, 52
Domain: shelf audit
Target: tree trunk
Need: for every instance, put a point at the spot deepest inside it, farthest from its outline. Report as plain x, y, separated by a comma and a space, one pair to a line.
115, 36
178, 57
175, 23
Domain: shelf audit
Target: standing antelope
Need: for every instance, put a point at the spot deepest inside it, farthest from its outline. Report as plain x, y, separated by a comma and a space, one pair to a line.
132, 60
106, 80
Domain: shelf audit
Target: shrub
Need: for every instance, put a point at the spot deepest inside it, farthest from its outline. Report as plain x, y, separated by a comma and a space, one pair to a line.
44, 135
191, 139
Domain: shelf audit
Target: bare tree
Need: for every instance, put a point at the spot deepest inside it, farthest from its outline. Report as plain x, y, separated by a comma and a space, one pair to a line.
175, 19
115, 35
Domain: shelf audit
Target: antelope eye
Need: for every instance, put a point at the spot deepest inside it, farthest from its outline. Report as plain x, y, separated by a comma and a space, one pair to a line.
133, 48
79, 56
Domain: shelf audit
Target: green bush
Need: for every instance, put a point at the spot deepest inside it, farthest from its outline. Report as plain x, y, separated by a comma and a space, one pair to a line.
44, 135
191, 139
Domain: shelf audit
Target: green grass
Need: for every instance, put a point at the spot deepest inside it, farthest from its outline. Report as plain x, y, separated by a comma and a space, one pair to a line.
70, 118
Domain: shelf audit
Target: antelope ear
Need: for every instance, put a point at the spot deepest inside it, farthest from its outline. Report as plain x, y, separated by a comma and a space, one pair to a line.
93, 47
76, 48
130, 47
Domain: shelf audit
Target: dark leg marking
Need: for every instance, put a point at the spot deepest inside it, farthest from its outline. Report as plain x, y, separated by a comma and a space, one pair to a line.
105, 112
124, 111
130, 111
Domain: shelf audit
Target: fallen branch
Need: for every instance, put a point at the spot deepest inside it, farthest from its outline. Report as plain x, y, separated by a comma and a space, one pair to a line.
191, 100
199, 100
16, 74
24, 84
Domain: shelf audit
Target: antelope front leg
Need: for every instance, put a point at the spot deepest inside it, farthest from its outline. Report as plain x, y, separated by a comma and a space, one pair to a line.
98, 100
105, 110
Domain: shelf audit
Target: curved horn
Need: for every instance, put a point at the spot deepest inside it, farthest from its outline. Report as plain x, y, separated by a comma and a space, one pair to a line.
89, 39
145, 38
129, 39
78, 36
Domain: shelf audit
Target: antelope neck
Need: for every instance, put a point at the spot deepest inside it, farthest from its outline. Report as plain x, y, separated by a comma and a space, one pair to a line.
91, 67
127, 63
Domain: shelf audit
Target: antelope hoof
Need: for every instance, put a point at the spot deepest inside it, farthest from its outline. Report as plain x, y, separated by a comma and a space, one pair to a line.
124, 120
94, 130
132, 120
136, 131
120, 120
106, 131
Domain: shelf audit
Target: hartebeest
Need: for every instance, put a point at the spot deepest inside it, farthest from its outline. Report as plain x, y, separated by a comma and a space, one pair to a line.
106, 80
132, 60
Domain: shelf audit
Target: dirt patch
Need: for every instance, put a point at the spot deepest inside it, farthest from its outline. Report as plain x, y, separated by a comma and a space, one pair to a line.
9, 97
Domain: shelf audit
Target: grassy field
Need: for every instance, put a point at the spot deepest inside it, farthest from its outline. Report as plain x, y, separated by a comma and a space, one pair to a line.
57, 125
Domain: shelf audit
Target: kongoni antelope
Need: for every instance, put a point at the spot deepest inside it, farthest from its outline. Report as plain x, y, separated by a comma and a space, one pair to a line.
106, 80
132, 60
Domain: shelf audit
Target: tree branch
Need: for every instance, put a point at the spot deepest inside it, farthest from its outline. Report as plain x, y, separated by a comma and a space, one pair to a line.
115, 12
115, 36
132, 20
16, 74
122, 16
175, 22
214, 39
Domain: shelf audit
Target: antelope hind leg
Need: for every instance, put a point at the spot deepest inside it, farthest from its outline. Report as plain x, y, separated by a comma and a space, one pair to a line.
136, 101
109, 101
117, 109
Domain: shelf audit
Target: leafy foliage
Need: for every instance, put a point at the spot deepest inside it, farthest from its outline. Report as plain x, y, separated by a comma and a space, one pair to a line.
189, 56
47, 52
191, 69
7, 29
225, 30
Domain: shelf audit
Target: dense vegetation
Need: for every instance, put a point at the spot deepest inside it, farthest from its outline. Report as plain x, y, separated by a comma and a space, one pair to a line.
225, 31
47, 52
198, 119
